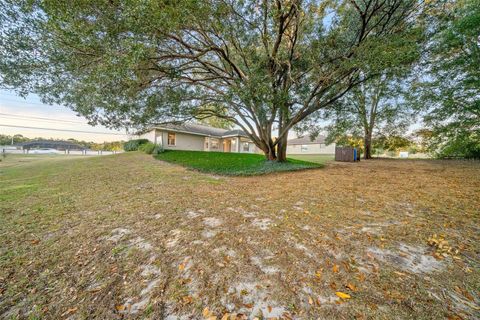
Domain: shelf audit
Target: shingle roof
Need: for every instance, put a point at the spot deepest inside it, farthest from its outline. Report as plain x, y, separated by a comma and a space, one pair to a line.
201, 130
235, 133
307, 140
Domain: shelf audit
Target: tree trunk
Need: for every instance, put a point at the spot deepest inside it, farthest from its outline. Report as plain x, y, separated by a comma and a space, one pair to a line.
368, 146
282, 149
270, 154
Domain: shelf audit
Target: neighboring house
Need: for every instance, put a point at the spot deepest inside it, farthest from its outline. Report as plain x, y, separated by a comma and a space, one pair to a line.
197, 137
305, 145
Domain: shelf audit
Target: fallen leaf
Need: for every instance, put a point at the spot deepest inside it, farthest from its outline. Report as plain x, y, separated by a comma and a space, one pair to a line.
206, 312
187, 299
361, 277
69, 311
226, 316
310, 300
342, 295
120, 307
351, 287
181, 267
335, 268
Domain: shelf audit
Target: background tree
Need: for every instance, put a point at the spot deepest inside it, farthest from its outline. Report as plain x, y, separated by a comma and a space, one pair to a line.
8, 140
270, 64
448, 87
370, 110
393, 143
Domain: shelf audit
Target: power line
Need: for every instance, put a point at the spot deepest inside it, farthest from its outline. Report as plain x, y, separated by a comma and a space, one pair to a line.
66, 130
39, 118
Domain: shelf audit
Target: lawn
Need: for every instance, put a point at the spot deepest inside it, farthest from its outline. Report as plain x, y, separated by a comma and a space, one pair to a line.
233, 164
128, 236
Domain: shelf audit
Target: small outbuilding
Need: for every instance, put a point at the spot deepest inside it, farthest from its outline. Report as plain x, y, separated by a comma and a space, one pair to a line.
347, 154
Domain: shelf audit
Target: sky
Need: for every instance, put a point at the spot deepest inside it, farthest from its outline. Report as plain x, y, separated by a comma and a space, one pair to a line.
31, 118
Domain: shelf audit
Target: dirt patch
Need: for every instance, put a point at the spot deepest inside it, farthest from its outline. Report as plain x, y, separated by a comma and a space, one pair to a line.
262, 224
409, 258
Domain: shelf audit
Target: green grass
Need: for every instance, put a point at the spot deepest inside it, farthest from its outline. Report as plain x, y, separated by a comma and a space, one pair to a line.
234, 164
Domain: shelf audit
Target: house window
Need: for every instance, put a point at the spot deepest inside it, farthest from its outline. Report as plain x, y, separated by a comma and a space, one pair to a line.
214, 144
171, 139
246, 147
304, 148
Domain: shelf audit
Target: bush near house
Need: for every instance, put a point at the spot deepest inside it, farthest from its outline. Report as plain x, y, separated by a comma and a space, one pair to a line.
133, 145
147, 147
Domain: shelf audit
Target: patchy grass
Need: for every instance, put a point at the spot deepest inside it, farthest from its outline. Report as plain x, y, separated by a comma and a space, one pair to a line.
232, 164
315, 158
127, 236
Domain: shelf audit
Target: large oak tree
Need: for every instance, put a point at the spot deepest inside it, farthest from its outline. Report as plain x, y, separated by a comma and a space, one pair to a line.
263, 65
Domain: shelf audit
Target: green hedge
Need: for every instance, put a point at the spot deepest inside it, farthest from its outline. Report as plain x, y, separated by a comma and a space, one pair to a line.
134, 145
147, 147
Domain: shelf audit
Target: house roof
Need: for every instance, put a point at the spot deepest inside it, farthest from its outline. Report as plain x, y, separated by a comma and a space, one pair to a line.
307, 140
234, 133
201, 130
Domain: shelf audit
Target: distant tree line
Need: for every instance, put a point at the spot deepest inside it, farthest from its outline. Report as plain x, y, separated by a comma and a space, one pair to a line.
105, 146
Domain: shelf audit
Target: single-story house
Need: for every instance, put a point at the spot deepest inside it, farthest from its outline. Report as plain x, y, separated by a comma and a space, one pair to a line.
305, 145
198, 137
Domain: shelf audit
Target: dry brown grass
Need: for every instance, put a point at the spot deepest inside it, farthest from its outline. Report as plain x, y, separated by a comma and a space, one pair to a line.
128, 236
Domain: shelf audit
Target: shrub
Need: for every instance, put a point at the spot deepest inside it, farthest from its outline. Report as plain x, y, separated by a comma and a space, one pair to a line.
158, 149
133, 145
147, 147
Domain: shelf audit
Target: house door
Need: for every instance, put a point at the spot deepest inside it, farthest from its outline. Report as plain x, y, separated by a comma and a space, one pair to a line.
227, 145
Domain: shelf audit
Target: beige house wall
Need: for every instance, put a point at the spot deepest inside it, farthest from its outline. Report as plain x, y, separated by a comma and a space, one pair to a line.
186, 141
316, 148
183, 141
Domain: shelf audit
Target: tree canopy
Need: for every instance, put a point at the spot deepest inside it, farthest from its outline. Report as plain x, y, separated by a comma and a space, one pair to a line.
448, 89
268, 64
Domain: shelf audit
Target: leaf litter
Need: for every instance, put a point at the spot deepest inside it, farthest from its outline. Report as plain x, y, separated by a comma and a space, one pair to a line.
294, 245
